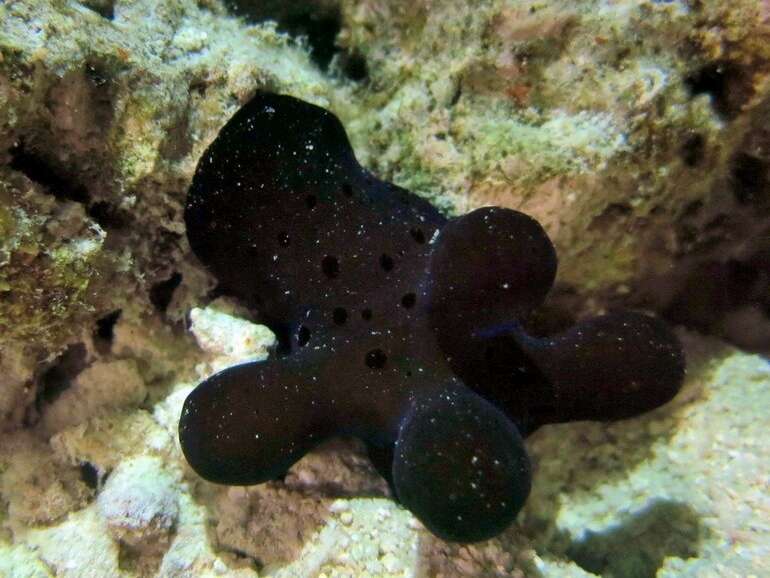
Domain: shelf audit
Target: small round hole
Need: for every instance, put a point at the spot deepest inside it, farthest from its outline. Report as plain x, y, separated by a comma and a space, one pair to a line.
89, 474
409, 300
162, 293
105, 327
347, 190
339, 315
376, 359
386, 262
311, 201
283, 239
417, 235
303, 336
330, 266
366, 314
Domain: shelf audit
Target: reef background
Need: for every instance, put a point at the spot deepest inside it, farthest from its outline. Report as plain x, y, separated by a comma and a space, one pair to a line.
638, 133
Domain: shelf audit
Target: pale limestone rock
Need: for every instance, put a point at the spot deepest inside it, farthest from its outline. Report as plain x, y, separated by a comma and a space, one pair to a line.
228, 338
21, 562
36, 488
89, 396
79, 547
139, 502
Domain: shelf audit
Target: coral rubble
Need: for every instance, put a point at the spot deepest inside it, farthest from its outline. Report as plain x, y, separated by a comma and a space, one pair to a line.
636, 132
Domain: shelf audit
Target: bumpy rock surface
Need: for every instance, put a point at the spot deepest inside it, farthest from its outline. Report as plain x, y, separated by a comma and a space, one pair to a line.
636, 132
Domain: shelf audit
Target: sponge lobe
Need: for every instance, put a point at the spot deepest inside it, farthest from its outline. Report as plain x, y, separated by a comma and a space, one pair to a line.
460, 466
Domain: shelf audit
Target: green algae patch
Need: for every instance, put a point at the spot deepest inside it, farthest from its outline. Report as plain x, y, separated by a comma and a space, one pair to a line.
44, 281
567, 111
44, 295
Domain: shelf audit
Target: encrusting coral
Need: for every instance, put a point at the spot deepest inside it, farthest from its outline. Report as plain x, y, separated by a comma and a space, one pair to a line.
396, 326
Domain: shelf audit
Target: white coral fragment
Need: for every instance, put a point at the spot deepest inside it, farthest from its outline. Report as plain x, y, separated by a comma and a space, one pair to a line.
228, 338
140, 501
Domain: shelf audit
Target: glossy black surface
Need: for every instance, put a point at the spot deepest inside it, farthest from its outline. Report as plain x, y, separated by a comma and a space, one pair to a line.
397, 327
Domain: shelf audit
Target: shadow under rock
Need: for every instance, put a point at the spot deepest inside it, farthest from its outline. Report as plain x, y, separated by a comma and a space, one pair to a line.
574, 459
266, 526
638, 546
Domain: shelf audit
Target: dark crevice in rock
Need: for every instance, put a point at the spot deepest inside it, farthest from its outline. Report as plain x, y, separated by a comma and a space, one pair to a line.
96, 74
693, 149
353, 66
37, 169
729, 299
162, 292
242, 559
321, 32
728, 84
750, 178
318, 22
749, 168
104, 8
58, 377
104, 332
108, 216
89, 475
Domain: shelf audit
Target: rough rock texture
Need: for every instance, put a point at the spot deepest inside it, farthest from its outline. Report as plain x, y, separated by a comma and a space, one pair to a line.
681, 491
103, 119
637, 132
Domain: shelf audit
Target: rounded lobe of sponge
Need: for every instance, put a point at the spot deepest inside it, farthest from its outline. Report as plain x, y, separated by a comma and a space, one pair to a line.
287, 220
460, 466
496, 263
610, 367
232, 431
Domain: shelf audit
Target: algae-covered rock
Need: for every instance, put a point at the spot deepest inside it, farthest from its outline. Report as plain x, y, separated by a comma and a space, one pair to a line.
616, 125
638, 133
103, 116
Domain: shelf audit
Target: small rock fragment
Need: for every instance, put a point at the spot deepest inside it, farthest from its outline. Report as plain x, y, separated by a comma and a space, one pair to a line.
139, 501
